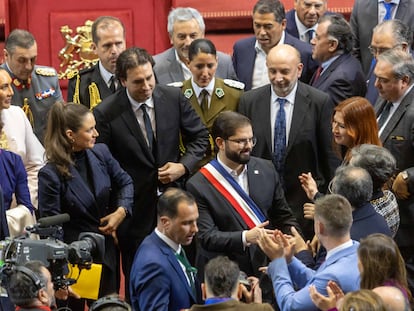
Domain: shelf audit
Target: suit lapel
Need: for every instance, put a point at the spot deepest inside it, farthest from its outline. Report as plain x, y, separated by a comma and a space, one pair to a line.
175, 70
300, 109
265, 116
395, 118
332, 67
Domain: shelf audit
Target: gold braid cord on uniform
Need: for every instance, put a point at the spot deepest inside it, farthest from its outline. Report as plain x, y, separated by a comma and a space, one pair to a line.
76, 98
28, 111
94, 96
183, 149
3, 141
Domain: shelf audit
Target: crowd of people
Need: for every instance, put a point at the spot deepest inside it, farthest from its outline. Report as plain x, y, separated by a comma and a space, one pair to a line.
278, 178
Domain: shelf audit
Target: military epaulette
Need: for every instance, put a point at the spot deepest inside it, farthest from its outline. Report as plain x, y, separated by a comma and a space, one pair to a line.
46, 71
85, 70
234, 84
176, 84
72, 74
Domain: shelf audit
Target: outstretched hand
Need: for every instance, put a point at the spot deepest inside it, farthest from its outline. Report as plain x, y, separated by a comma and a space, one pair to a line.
308, 185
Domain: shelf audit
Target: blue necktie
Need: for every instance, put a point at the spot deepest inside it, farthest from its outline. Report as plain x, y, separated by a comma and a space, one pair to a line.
148, 127
280, 137
310, 34
388, 10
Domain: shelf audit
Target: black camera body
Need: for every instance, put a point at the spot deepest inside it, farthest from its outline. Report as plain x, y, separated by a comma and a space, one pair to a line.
53, 253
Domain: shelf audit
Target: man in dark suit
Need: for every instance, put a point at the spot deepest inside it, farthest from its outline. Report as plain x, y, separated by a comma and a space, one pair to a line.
223, 228
366, 15
141, 124
306, 135
249, 55
184, 26
391, 34
340, 74
90, 86
223, 287
161, 277
395, 111
301, 22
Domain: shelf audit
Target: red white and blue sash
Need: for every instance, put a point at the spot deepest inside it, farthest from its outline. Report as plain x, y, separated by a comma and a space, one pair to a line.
224, 183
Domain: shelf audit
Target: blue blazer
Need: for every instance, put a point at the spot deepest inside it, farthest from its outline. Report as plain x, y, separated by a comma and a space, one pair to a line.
157, 280
85, 205
341, 267
244, 56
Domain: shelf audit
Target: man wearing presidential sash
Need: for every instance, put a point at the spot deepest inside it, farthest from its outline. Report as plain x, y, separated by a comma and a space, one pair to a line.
237, 195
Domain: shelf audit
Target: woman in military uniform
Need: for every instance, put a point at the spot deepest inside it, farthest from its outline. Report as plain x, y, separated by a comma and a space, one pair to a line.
209, 95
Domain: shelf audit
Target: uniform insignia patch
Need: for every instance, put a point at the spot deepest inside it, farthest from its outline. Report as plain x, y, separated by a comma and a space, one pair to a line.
188, 93
45, 93
219, 92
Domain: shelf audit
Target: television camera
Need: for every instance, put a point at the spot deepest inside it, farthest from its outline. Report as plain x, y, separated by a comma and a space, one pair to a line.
53, 253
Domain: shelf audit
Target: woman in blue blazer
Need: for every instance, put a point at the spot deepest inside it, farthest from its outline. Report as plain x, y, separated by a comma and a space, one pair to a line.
85, 181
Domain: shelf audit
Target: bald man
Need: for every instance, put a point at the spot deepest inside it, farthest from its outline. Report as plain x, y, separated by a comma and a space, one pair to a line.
301, 131
393, 298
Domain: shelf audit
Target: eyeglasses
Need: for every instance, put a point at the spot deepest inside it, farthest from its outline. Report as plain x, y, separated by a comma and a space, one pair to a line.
376, 51
243, 142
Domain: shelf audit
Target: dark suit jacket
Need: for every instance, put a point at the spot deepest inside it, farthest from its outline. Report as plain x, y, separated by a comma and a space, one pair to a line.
84, 204
364, 18
244, 56
119, 129
168, 70
220, 226
342, 79
291, 27
87, 77
398, 138
157, 280
309, 145
232, 305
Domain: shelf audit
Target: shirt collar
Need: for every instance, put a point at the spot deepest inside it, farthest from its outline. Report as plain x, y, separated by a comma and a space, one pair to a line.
290, 97
106, 75
397, 2
136, 105
230, 170
326, 63
302, 29
338, 249
175, 246
259, 48
209, 88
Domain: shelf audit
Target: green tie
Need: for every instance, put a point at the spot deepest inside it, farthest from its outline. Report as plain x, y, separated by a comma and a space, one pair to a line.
204, 101
189, 270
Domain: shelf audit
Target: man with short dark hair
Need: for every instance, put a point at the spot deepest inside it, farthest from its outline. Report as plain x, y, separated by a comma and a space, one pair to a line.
340, 74
142, 125
291, 278
236, 196
30, 287
35, 88
91, 85
222, 288
184, 26
303, 19
249, 55
161, 276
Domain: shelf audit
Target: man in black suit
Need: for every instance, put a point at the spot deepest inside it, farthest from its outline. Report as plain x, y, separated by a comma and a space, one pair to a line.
90, 86
340, 74
303, 19
229, 224
306, 139
395, 111
249, 55
141, 124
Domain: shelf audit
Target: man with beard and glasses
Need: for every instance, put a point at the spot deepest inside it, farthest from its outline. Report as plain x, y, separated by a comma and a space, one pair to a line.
237, 195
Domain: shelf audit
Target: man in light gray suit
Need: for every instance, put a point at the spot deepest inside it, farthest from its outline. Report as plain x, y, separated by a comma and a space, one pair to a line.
395, 110
366, 15
184, 26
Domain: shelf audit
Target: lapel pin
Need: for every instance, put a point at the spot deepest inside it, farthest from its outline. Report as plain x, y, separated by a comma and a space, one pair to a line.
256, 172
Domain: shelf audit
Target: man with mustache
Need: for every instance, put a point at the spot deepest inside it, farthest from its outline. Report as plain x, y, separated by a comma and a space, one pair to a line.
237, 195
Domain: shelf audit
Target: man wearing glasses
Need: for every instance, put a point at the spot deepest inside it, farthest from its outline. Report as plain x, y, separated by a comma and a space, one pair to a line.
391, 34
237, 195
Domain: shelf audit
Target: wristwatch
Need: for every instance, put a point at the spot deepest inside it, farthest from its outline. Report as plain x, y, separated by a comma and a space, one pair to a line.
404, 175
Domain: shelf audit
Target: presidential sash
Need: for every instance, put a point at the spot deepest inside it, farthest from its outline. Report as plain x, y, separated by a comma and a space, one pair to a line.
225, 184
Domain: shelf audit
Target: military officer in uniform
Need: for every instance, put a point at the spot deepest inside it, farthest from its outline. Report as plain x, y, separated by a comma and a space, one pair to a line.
209, 95
90, 86
36, 88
